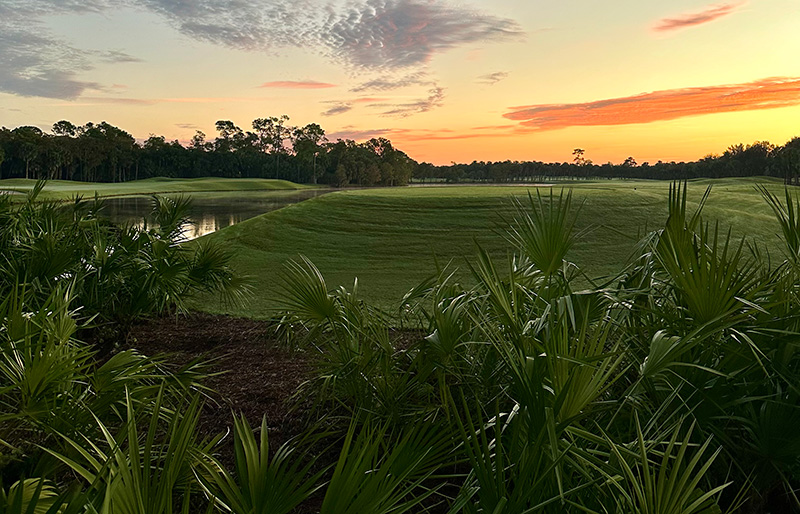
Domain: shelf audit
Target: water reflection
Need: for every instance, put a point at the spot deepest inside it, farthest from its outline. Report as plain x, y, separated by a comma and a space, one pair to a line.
210, 211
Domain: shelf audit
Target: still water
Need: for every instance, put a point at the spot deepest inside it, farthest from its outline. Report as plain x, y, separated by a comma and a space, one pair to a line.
209, 211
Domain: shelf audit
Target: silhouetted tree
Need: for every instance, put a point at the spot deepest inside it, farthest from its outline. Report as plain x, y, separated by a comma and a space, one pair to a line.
274, 149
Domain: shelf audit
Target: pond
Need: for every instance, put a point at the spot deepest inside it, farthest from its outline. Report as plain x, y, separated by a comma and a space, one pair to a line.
209, 211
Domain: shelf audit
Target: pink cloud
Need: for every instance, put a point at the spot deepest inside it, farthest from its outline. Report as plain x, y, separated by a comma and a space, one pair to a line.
670, 104
710, 14
402, 136
369, 100
297, 84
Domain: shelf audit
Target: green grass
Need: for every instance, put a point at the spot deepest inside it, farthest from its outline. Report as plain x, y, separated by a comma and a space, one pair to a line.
65, 189
391, 239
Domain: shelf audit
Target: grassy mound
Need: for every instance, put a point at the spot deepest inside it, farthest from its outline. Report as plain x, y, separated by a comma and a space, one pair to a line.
391, 239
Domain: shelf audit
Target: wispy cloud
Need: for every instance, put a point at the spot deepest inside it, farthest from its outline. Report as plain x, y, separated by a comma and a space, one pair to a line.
495, 127
338, 108
297, 84
341, 107
663, 105
491, 79
368, 100
392, 34
711, 13
434, 99
418, 135
388, 83
118, 56
187, 126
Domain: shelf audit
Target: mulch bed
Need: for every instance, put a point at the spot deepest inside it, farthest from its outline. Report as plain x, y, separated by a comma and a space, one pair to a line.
254, 375
257, 377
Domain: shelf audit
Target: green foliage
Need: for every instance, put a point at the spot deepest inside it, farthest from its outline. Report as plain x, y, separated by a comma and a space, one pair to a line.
543, 232
29, 496
373, 476
66, 270
666, 487
260, 483
788, 217
140, 474
114, 274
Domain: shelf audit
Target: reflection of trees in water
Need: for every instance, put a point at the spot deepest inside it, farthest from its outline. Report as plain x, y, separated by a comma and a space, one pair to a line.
212, 222
208, 213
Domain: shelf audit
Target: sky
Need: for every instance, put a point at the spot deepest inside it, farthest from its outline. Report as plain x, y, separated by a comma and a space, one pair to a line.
444, 81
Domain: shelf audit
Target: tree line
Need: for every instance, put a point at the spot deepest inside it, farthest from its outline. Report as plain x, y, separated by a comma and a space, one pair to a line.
758, 159
272, 149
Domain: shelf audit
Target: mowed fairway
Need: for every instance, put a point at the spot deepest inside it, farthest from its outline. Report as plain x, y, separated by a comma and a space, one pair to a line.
391, 239
65, 189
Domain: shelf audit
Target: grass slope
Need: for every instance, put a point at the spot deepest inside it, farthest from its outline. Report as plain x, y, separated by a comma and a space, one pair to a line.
391, 238
64, 189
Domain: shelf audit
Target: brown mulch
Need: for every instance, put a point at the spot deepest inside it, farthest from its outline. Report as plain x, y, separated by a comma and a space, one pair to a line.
256, 376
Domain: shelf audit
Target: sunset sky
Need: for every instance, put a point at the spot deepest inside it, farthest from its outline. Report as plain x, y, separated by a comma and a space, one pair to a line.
445, 81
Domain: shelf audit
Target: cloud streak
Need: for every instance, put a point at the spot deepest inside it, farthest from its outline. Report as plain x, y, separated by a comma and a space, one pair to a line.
297, 84
118, 56
491, 79
423, 135
434, 99
339, 108
388, 83
395, 34
712, 13
369, 100
771, 93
